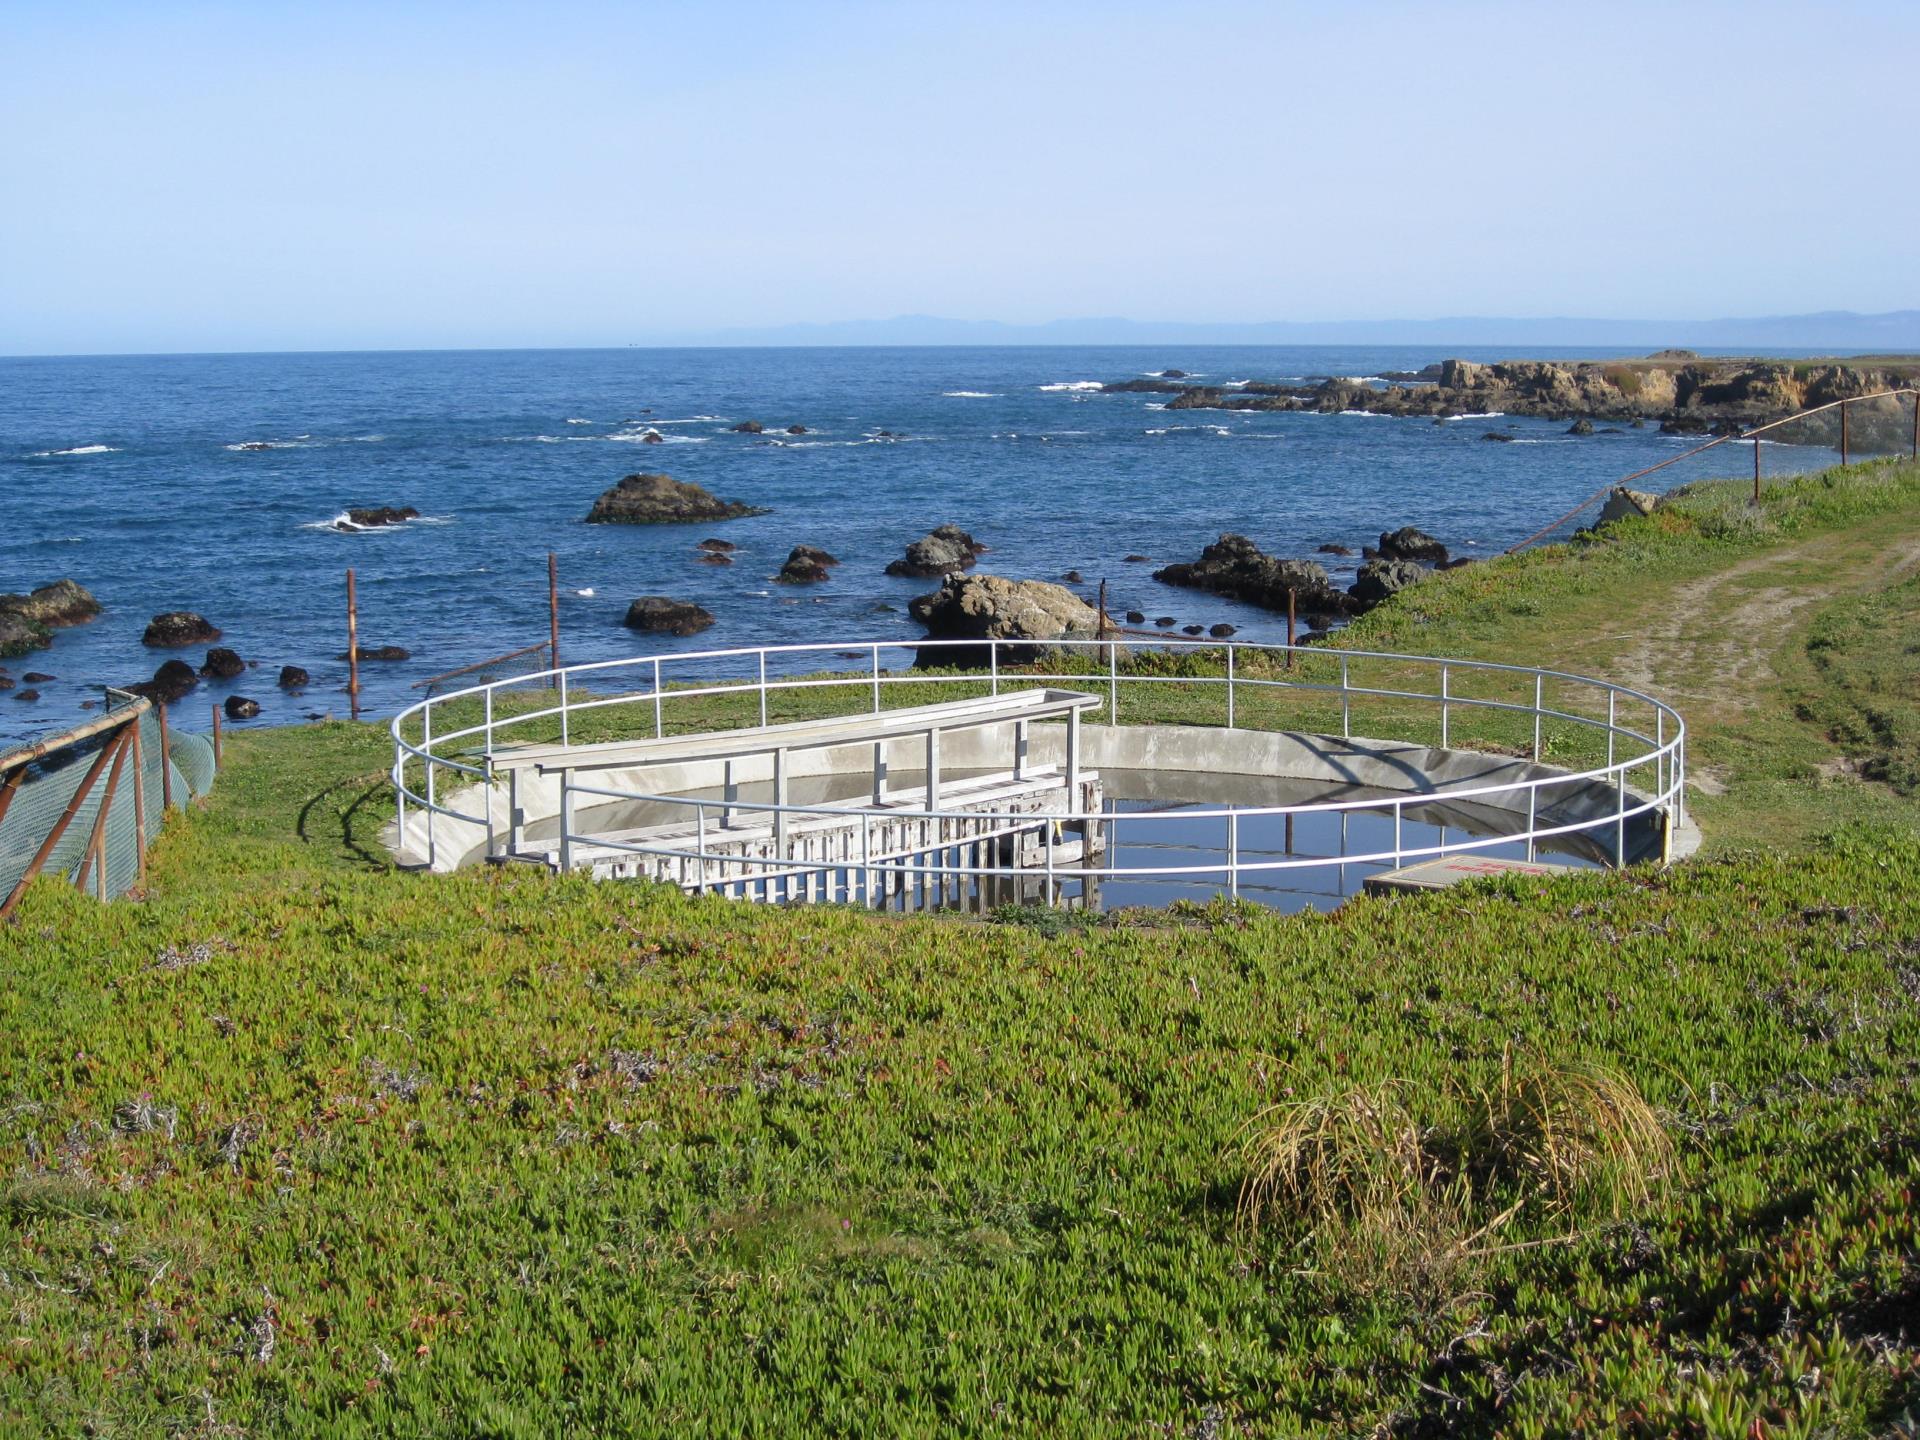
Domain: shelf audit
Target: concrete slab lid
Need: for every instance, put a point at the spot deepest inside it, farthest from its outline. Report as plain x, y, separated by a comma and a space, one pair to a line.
1457, 869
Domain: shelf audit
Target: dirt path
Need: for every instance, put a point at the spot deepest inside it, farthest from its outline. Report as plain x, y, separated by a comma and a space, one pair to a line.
1710, 642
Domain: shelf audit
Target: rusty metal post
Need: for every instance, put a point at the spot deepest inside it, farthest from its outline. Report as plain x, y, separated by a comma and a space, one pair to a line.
353, 650
553, 610
166, 762
95, 858
216, 737
1843, 432
1756, 469
1290, 602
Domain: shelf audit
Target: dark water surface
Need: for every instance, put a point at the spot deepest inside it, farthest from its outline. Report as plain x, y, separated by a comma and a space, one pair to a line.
125, 473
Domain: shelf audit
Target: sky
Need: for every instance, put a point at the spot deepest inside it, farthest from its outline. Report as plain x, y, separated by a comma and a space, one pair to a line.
188, 177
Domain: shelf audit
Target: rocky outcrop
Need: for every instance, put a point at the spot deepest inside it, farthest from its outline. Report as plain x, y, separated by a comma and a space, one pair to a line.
292, 677
1382, 578
55, 606
805, 566
1669, 388
1580, 427
177, 628
662, 615
717, 547
748, 427
944, 550
19, 635
988, 607
223, 664
1624, 504
1233, 565
374, 517
1407, 543
173, 681
651, 499
239, 707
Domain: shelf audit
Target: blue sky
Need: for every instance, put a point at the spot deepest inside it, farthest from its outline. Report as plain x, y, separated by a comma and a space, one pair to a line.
178, 176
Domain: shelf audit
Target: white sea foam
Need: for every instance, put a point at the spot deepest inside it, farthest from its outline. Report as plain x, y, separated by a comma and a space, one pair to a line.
586, 594
972, 394
1370, 414
341, 525
76, 450
1365, 379
1480, 415
1156, 405
579, 422
1073, 385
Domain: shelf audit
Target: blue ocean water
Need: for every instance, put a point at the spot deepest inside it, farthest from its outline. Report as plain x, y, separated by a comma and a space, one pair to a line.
126, 474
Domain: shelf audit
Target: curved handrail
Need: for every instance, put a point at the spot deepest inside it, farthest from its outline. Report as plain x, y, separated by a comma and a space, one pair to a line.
1663, 751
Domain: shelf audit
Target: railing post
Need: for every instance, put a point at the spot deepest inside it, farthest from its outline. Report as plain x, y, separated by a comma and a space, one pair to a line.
1613, 697
780, 799
1539, 703
1398, 862
993, 665
659, 703
763, 689
876, 679
1233, 854
700, 841
426, 765
566, 822
1620, 819
1533, 819
566, 735
866, 853
933, 768
166, 762
1113, 685
139, 803
1346, 702
1230, 716
1444, 727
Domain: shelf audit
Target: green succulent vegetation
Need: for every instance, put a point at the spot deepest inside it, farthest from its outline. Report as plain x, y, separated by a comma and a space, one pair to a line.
297, 1144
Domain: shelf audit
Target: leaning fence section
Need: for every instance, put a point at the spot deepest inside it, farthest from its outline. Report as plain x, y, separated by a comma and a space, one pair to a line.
85, 804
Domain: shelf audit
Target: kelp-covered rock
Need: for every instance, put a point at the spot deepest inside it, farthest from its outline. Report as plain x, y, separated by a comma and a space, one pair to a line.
179, 627
56, 606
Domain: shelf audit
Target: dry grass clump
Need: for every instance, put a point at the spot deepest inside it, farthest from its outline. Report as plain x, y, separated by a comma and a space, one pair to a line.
1407, 1203
1570, 1133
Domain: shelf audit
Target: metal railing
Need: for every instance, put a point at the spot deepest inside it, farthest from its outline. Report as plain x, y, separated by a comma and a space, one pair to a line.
1642, 777
1753, 435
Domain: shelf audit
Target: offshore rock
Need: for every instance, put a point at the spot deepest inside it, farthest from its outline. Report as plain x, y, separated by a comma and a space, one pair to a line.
19, 635
805, 566
173, 681
989, 607
944, 550
179, 627
1407, 543
652, 499
292, 677
55, 606
1233, 565
374, 517
239, 707
662, 615
223, 664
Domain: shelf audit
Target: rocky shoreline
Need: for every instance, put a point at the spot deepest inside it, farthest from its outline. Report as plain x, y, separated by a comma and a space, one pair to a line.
1677, 390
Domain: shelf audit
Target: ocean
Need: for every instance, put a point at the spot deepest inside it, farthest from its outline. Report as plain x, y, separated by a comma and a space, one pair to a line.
129, 475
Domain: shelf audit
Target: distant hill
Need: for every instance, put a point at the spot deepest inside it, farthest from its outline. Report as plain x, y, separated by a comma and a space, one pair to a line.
1896, 330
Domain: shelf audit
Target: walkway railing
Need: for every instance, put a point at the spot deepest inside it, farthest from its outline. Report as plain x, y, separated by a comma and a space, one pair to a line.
450, 740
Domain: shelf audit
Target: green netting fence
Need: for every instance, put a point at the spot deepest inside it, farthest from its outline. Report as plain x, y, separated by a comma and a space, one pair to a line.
85, 804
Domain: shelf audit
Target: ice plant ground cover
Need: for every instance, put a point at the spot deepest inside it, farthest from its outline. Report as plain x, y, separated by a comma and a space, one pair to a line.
301, 1145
